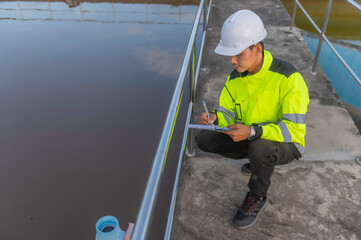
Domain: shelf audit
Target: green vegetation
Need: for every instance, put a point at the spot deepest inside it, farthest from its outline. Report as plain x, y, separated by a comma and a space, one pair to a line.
344, 23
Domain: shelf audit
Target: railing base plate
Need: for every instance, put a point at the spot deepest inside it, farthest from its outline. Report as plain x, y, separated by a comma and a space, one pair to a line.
188, 154
205, 69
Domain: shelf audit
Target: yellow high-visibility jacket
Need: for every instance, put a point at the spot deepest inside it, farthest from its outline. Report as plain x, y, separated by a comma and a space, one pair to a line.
274, 100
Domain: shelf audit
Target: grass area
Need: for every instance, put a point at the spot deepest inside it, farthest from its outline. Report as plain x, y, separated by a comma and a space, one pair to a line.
344, 22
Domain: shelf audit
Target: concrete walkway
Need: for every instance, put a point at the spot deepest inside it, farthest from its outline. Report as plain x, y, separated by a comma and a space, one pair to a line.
317, 197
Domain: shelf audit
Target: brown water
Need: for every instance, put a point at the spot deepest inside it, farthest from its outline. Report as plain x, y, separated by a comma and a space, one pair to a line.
344, 22
84, 95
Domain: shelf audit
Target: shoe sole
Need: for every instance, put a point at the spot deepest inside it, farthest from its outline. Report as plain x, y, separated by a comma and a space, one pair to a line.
255, 220
246, 173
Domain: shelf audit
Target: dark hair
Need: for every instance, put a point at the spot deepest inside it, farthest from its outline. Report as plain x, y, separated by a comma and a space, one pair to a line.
261, 42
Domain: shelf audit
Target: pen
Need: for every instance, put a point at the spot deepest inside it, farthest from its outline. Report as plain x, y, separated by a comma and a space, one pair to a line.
205, 108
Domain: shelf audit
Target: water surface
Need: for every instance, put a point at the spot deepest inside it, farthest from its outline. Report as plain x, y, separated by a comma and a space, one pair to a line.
345, 85
84, 88
344, 21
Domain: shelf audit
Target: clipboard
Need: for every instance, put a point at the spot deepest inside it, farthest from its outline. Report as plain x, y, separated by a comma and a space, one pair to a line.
209, 127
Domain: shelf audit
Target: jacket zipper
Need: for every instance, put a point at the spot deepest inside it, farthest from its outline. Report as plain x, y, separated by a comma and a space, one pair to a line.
240, 111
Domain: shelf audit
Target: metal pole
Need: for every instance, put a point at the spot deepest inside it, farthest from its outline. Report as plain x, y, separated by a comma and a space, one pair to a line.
354, 4
209, 27
278, 3
324, 27
113, 12
205, 13
146, 13
354, 75
203, 65
190, 150
148, 202
51, 14
176, 182
81, 10
293, 15
309, 18
21, 14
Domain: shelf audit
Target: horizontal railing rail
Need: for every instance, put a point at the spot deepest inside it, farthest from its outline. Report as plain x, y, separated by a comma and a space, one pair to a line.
201, 58
322, 36
148, 202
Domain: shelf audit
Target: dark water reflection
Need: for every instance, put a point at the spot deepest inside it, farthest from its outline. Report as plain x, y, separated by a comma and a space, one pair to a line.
84, 95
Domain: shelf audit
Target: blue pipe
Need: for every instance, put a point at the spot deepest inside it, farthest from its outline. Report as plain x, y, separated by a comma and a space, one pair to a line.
107, 228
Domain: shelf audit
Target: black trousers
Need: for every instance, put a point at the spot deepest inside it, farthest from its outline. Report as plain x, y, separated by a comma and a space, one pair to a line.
263, 154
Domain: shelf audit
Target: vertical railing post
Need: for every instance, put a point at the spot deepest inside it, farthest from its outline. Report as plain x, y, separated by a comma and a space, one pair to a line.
51, 14
81, 10
209, 26
146, 13
278, 3
205, 13
190, 149
113, 11
21, 13
293, 15
152, 186
324, 27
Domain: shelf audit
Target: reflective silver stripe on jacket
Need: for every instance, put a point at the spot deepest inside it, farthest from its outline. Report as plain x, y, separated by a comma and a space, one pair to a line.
296, 118
266, 123
287, 137
285, 132
283, 127
300, 148
227, 114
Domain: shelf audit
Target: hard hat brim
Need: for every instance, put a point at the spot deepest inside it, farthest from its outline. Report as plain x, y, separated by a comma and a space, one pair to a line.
225, 51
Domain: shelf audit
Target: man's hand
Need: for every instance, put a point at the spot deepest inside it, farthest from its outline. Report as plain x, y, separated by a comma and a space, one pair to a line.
239, 132
203, 119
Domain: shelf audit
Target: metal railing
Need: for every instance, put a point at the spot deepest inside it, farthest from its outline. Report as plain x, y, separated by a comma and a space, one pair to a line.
278, 3
322, 36
145, 213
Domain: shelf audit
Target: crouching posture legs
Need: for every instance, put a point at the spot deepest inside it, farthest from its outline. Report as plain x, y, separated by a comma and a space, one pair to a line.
263, 154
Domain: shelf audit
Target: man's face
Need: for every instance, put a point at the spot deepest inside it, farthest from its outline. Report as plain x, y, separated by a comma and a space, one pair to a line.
245, 60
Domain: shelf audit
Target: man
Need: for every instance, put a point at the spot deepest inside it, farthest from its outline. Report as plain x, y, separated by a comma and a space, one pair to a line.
264, 103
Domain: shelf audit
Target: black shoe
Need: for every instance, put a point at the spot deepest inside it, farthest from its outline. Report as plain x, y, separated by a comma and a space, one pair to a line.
246, 169
247, 214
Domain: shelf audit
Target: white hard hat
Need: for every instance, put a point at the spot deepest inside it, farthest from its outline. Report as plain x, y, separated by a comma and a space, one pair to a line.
242, 29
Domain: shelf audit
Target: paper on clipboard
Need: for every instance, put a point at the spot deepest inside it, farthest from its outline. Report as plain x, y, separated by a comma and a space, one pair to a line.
209, 127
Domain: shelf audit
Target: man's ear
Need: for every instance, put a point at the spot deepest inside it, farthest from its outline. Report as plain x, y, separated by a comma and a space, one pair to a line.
259, 48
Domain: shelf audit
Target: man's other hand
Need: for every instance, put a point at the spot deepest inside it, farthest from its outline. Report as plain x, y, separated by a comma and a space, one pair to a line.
203, 119
239, 132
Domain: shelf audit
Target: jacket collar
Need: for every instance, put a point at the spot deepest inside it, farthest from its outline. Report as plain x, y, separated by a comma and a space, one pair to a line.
267, 61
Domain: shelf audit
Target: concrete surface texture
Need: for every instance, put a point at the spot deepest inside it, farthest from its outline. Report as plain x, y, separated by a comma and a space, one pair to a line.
316, 197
